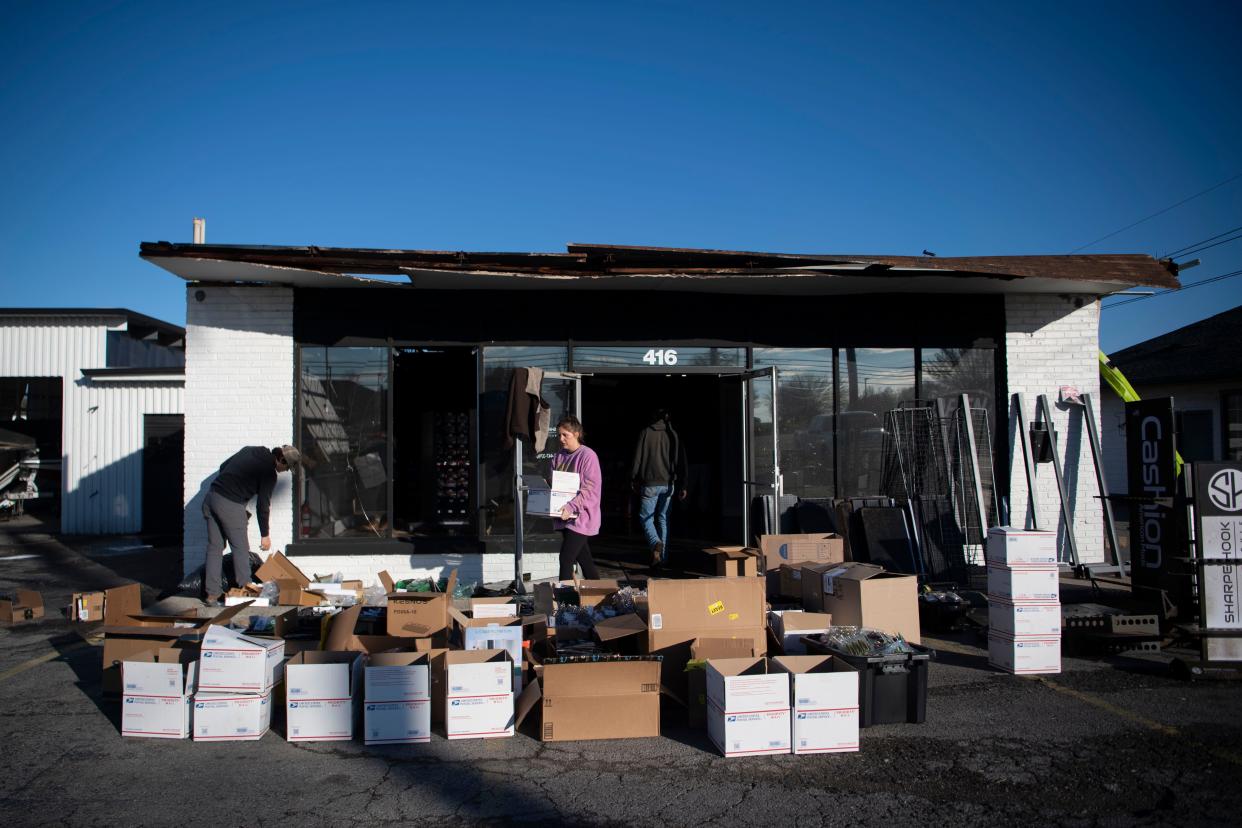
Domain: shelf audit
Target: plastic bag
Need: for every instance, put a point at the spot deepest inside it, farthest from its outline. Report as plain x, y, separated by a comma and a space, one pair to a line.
192, 584
859, 641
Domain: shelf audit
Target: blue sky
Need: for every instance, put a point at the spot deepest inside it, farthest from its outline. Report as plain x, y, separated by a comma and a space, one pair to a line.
966, 129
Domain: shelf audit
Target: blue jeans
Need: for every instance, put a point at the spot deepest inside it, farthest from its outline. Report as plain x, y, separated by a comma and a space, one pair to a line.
653, 512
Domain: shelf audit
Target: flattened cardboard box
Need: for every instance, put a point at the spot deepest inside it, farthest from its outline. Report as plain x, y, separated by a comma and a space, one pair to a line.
26, 605
597, 700
418, 614
794, 550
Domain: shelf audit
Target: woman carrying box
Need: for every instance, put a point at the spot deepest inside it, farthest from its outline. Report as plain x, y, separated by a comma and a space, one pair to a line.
579, 519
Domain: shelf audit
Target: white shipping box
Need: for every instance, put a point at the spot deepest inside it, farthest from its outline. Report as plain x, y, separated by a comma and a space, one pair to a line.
547, 500
156, 717
1020, 548
496, 637
230, 662
824, 711
494, 611
479, 696
747, 707
1034, 618
220, 717
322, 691
1013, 585
397, 677
1024, 655
166, 673
394, 723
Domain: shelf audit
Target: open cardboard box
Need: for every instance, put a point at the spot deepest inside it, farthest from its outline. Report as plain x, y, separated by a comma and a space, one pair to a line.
866, 595
26, 605
397, 699
479, 694
701, 650
824, 708
291, 581
747, 707
418, 614
735, 561
595, 700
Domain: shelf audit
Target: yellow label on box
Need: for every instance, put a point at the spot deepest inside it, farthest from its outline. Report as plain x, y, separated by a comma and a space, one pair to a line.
733, 616
716, 608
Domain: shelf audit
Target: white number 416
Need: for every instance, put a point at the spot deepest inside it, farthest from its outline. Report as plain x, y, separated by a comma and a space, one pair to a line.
654, 356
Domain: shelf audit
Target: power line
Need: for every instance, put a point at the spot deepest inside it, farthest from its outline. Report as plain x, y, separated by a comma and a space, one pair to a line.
1200, 249
1182, 250
1199, 283
1159, 213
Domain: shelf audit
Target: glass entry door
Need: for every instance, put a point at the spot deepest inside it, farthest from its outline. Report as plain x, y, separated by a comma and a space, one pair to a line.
763, 482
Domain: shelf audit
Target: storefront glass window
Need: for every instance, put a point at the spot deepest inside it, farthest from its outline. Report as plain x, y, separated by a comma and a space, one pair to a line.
344, 442
950, 372
497, 459
804, 409
872, 382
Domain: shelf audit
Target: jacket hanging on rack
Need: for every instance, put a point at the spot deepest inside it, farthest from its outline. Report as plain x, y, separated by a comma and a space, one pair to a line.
527, 415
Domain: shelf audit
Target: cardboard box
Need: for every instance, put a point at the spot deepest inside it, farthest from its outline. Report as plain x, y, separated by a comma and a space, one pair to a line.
156, 717
790, 581
128, 635
227, 717
864, 595
158, 696
496, 634
1043, 585
735, 561
418, 614
499, 607
398, 698
701, 650
679, 611
87, 606
166, 673
825, 703
747, 707
397, 723
26, 605
546, 500
291, 581
232, 662
790, 625
811, 583
1042, 620
597, 700
479, 694
794, 550
1026, 655
1020, 548
322, 691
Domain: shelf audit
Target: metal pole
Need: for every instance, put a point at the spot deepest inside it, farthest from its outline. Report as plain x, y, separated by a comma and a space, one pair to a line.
1096, 458
1046, 410
1024, 437
519, 515
964, 404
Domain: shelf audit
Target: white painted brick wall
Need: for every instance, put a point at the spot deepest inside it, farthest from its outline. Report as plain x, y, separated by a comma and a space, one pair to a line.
1049, 343
473, 567
238, 392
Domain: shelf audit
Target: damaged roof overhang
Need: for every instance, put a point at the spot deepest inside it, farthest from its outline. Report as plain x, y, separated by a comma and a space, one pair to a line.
610, 267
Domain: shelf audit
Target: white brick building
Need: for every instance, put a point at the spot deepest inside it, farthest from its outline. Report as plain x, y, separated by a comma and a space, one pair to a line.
391, 371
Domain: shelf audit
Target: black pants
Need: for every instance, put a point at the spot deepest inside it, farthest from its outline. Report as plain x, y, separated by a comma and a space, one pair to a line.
574, 549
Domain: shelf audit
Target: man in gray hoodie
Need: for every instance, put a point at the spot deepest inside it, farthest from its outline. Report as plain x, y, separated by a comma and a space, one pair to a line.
658, 470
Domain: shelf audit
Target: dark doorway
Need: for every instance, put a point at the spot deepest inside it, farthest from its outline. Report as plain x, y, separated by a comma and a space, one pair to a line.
163, 473
706, 412
434, 405
32, 406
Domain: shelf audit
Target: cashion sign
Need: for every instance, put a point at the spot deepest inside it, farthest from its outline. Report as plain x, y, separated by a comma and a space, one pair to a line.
1154, 529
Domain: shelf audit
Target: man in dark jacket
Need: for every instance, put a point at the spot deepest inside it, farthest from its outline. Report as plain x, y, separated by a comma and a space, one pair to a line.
250, 473
659, 470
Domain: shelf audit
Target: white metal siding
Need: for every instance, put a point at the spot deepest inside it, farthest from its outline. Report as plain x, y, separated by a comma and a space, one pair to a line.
101, 427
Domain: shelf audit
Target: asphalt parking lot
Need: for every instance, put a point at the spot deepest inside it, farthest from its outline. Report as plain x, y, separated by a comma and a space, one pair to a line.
1105, 742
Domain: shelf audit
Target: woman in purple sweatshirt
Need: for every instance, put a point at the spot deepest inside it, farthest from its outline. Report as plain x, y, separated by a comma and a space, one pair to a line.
579, 519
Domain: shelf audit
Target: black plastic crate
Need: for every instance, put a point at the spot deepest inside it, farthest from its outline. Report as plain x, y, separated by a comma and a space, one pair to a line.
892, 689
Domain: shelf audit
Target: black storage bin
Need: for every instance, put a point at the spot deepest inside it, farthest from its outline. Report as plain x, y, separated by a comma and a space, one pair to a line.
892, 689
